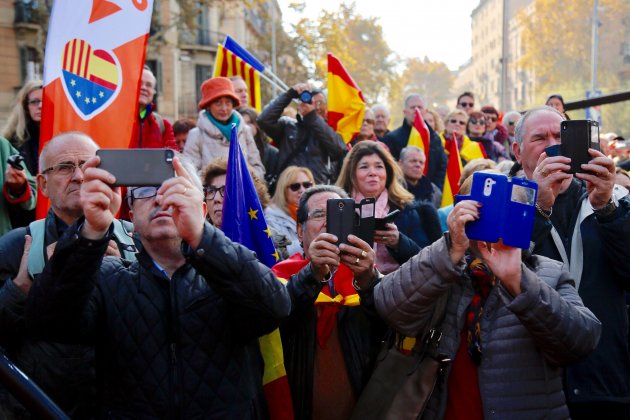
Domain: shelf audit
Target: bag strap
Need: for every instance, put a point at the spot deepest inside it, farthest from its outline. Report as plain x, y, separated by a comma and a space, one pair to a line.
160, 122
433, 331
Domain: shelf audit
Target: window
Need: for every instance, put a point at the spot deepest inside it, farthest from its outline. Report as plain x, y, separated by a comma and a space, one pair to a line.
30, 64
202, 73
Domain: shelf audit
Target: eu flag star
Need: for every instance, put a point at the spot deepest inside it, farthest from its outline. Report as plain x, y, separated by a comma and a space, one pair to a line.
73, 82
252, 214
268, 232
78, 94
276, 256
87, 100
101, 94
93, 100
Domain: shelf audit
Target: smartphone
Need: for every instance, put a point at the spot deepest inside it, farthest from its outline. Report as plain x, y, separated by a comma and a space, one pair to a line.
138, 167
340, 218
379, 224
576, 137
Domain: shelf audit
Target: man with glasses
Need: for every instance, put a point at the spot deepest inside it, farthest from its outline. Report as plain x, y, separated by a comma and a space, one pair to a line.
509, 121
399, 138
466, 102
64, 372
307, 141
175, 332
329, 341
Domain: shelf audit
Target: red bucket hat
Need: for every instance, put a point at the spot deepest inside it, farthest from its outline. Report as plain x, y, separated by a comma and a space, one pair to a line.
216, 88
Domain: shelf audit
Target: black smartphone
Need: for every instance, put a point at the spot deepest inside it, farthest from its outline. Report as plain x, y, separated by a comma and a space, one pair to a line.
379, 224
138, 167
576, 137
16, 162
340, 218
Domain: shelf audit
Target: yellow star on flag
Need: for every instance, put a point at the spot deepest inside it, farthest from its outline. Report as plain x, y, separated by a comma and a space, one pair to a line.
252, 214
275, 254
268, 232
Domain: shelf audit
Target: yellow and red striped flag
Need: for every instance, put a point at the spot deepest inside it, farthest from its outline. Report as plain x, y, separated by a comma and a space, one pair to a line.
228, 64
92, 68
453, 173
346, 105
419, 137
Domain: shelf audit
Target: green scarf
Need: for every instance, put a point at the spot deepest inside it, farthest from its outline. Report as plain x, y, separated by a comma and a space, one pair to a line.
225, 129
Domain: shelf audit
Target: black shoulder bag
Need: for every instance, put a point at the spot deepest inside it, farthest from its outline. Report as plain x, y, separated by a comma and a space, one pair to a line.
401, 385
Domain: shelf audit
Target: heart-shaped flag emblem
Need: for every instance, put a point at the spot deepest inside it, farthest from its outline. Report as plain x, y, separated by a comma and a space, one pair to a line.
91, 78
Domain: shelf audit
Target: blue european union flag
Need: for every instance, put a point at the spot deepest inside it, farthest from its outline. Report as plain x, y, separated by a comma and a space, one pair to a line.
243, 219
87, 95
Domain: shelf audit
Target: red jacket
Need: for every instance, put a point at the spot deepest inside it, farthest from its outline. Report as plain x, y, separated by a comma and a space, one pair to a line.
147, 133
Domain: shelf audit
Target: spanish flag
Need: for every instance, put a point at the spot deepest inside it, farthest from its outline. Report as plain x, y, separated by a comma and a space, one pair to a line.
346, 105
92, 69
228, 64
453, 173
419, 137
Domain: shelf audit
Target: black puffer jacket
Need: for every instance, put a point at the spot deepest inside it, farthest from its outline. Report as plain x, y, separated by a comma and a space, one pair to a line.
180, 348
307, 142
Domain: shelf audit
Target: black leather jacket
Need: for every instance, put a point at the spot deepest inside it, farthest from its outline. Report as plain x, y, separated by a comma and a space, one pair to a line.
180, 348
308, 142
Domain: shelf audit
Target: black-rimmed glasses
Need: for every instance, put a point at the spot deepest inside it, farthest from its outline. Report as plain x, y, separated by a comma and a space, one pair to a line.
295, 187
211, 191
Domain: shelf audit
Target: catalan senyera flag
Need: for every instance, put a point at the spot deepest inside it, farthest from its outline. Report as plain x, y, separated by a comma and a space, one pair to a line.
346, 105
420, 137
244, 222
453, 173
92, 69
228, 64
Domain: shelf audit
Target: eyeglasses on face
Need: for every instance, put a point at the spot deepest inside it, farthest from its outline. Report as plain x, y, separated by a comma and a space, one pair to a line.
296, 186
466, 104
491, 118
211, 191
64, 168
476, 121
454, 121
143, 193
371, 122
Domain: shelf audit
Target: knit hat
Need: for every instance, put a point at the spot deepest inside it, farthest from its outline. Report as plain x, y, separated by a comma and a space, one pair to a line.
216, 88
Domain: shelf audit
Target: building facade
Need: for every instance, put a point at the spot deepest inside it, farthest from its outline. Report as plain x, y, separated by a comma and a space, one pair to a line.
181, 49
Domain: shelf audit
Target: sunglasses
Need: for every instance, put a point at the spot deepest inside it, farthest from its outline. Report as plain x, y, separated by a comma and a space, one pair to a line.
476, 121
452, 121
491, 118
295, 187
371, 122
466, 104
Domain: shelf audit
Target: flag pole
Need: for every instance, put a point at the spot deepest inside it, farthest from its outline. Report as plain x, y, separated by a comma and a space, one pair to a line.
277, 79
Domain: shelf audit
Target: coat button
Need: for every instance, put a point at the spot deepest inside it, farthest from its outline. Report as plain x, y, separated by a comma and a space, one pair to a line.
576, 391
200, 252
75, 237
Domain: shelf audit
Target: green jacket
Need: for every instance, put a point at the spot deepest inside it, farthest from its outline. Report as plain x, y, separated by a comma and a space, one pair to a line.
26, 201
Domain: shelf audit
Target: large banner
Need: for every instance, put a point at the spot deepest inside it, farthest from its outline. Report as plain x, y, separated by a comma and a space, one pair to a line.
92, 68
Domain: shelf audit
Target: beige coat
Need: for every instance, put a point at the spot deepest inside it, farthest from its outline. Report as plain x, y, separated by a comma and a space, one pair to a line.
205, 143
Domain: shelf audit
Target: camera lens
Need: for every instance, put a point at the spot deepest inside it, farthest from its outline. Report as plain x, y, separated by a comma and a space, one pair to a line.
341, 205
306, 97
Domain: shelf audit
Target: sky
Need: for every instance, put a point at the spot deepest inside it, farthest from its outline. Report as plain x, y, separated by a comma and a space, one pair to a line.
437, 29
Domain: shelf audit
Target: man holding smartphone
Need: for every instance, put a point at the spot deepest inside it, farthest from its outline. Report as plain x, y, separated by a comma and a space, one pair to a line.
174, 332
64, 371
329, 341
584, 221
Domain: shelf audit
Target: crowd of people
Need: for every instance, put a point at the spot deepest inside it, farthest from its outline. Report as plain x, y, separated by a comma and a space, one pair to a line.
132, 303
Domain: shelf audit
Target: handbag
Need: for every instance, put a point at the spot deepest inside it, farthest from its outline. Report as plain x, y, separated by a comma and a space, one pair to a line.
401, 385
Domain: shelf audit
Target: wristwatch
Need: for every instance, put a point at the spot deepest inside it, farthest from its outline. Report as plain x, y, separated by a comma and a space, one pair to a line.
608, 209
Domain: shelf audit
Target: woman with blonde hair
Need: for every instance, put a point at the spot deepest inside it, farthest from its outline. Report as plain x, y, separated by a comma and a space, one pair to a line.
455, 130
371, 171
22, 127
281, 215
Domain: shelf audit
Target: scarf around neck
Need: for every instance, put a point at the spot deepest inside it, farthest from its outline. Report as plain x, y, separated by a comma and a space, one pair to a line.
225, 128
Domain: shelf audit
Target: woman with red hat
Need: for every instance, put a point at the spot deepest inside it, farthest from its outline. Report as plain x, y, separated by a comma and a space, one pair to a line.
211, 138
